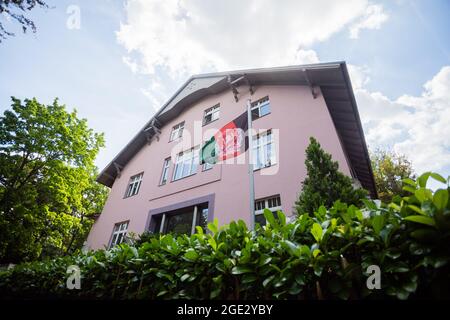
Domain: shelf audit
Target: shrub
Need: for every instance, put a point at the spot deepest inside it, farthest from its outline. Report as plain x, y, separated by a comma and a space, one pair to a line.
324, 183
320, 256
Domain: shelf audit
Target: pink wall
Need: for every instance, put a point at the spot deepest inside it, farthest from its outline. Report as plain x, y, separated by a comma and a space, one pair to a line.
293, 111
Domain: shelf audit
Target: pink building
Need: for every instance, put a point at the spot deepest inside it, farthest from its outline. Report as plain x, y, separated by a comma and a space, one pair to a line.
157, 183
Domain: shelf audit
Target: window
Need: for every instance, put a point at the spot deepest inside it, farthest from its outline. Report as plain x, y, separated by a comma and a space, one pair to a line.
211, 114
181, 221
165, 172
177, 131
260, 108
119, 233
263, 150
186, 163
272, 203
134, 185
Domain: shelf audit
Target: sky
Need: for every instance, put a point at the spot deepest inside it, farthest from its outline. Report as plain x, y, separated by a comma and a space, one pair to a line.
117, 62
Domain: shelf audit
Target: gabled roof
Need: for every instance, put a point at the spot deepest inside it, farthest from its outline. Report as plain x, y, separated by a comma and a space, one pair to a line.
332, 78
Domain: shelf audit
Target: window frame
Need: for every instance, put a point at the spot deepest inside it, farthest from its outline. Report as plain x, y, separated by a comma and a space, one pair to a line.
259, 212
211, 111
195, 156
118, 231
257, 106
165, 171
132, 183
178, 128
198, 214
260, 144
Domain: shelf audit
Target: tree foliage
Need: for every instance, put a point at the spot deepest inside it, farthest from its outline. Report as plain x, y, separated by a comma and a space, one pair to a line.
47, 189
324, 183
325, 255
389, 169
15, 10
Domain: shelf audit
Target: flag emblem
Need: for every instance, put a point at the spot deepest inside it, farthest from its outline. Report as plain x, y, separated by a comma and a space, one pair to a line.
229, 142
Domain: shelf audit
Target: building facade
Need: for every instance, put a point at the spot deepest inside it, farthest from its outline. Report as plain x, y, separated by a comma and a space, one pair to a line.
157, 183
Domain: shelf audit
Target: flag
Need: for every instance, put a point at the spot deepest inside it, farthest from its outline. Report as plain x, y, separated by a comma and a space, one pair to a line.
228, 142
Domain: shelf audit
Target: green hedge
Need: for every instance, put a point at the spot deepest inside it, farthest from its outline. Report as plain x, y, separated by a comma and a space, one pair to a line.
324, 255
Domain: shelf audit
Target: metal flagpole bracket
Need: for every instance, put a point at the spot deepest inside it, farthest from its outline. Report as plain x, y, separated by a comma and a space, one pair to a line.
118, 169
233, 85
308, 81
250, 86
152, 130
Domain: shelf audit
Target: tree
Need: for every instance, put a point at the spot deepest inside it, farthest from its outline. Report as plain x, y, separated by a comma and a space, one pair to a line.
15, 9
48, 192
389, 168
324, 183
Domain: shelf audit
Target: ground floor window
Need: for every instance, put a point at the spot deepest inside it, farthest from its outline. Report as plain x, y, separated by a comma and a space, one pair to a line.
181, 221
272, 203
119, 233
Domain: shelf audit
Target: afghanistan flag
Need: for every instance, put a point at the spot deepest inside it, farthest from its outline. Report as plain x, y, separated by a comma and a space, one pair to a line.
229, 142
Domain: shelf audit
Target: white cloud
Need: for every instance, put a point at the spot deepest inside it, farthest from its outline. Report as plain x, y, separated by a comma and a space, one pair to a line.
359, 75
171, 40
130, 63
373, 18
306, 57
417, 126
186, 37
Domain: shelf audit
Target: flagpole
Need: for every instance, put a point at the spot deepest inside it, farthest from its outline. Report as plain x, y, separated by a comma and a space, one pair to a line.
250, 166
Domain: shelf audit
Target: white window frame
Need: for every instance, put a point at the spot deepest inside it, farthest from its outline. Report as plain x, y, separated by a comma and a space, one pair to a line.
188, 157
257, 105
134, 185
214, 111
165, 172
262, 142
265, 202
177, 131
119, 232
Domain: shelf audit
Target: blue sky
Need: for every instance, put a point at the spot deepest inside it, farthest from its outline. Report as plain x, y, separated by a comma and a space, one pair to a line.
128, 57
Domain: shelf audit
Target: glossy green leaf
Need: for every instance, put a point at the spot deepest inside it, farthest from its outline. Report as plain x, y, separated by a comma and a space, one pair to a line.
423, 194
317, 231
421, 219
269, 217
438, 177
191, 255
422, 180
378, 223
416, 209
241, 270
440, 199
409, 181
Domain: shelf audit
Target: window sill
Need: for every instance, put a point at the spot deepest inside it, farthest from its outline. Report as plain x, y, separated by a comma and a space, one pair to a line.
205, 124
261, 116
127, 197
192, 174
262, 168
179, 138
